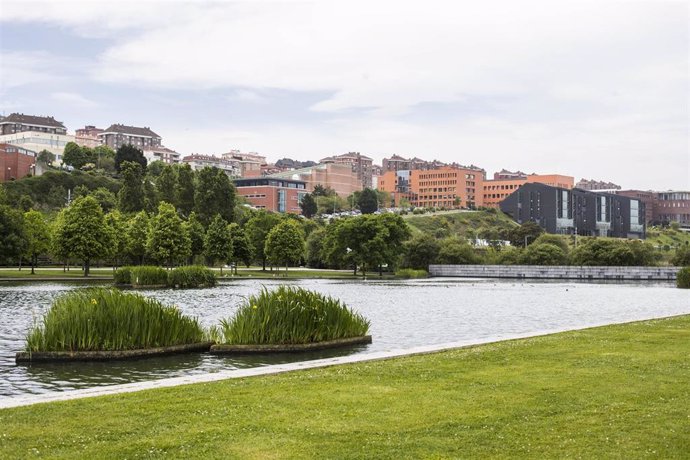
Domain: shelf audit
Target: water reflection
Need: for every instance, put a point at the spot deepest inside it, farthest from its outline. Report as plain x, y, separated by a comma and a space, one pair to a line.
403, 314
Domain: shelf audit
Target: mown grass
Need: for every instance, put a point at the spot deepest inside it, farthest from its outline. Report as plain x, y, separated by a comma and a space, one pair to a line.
107, 319
48, 273
610, 392
289, 315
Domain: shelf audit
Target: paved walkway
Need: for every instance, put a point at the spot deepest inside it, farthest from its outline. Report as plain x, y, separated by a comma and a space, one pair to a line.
26, 400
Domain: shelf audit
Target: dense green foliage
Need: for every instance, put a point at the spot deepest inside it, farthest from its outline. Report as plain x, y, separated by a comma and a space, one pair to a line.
147, 275
613, 252
289, 315
191, 276
131, 197
683, 278
12, 233
368, 201
285, 243
214, 195
421, 251
168, 241
109, 319
257, 229
123, 276
129, 153
407, 273
682, 257
37, 235
308, 206
218, 242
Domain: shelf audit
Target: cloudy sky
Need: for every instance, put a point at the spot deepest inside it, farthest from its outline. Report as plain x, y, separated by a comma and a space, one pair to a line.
595, 89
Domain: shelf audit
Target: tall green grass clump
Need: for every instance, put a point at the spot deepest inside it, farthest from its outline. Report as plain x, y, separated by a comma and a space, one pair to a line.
683, 278
408, 273
123, 275
191, 276
98, 319
289, 315
145, 275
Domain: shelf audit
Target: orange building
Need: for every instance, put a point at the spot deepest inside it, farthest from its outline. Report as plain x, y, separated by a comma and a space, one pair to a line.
271, 194
447, 186
494, 191
339, 177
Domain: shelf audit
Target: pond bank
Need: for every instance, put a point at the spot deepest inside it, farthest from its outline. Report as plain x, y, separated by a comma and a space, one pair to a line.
565, 272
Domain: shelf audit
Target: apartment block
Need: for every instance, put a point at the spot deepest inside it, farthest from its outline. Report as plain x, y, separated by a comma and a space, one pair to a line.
575, 211
197, 161
117, 135
338, 176
272, 194
164, 154
15, 162
250, 163
447, 186
361, 165
506, 182
591, 184
672, 206
88, 136
18, 123
35, 134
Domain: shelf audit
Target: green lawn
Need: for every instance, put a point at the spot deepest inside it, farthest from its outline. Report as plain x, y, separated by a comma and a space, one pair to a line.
461, 223
611, 392
43, 272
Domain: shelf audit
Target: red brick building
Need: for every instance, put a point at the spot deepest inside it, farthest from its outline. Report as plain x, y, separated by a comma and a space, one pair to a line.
272, 194
15, 162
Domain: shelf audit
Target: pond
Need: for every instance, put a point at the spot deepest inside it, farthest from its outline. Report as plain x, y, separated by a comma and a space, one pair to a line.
403, 314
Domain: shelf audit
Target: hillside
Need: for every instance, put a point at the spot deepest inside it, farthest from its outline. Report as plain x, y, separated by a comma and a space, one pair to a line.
464, 223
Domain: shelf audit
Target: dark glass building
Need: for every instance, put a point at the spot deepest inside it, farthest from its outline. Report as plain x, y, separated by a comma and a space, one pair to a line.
576, 211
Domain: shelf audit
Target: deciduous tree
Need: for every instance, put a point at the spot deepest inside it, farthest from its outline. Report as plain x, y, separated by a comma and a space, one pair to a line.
168, 241
214, 194
131, 195
285, 243
129, 153
37, 234
218, 242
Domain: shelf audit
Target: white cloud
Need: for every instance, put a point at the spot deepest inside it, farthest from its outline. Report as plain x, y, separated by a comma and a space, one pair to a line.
73, 99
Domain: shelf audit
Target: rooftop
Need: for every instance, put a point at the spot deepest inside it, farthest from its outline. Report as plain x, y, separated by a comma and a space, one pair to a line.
31, 120
132, 130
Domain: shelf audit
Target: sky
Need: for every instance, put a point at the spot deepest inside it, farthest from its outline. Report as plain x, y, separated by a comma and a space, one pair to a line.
592, 89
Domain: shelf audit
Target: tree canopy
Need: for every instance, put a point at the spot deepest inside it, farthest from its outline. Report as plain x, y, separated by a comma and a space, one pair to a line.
285, 243
129, 152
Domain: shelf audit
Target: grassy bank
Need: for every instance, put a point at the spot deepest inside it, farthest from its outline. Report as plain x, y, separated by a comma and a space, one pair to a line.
48, 273
618, 391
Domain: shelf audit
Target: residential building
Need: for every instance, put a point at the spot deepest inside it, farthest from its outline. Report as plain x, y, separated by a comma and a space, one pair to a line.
250, 163
118, 135
398, 163
337, 176
88, 136
272, 194
360, 164
591, 184
506, 182
575, 211
446, 186
18, 123
163, 154
36, 141
229, 166
15, 162
672, 206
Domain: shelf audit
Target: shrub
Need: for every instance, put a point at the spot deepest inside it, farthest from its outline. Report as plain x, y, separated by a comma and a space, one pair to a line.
98, 319
682, 257
123, 275
544, 254
683, 278
191, 276
290, 315
146, 275
457, 252
408, 273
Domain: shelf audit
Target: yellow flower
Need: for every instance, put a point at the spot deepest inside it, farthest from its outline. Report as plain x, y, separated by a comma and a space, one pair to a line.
93, 301
254, 307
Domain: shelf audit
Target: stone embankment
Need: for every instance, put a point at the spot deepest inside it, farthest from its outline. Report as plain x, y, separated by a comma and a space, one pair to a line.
556, 272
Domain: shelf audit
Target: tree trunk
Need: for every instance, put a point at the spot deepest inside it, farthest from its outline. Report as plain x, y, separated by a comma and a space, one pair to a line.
286, 269
86, 267
20, 263
33, 264
221, 270
263, 261
380, 271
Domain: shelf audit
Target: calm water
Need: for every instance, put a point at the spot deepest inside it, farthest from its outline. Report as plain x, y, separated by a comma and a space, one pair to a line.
403, 314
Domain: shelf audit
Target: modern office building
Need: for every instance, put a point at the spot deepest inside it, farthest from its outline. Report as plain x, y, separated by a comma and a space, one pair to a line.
576, 211
361, 165
118, 135
15, 162
447, 186
272, 194
672, 206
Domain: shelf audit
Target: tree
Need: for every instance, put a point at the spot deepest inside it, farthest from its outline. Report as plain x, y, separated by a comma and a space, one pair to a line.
196, 235
398, 233
214, 194
85, 235
155, 168
166, 183
320, 190
525, 234
285, 243
368, 201
384, 198
454, 251
421, 251
185, 189
105, 198
168, 241
151, 200
45, 157
315, 243
241, 247
75, 156
12, 234
129, 153
131, 195
544, 254
37, 234
308, 206
257, 229
58, 243
218, 242
682, 257
136, 235
118, 227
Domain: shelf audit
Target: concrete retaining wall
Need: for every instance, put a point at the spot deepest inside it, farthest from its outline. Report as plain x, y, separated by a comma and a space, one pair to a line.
555, 272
